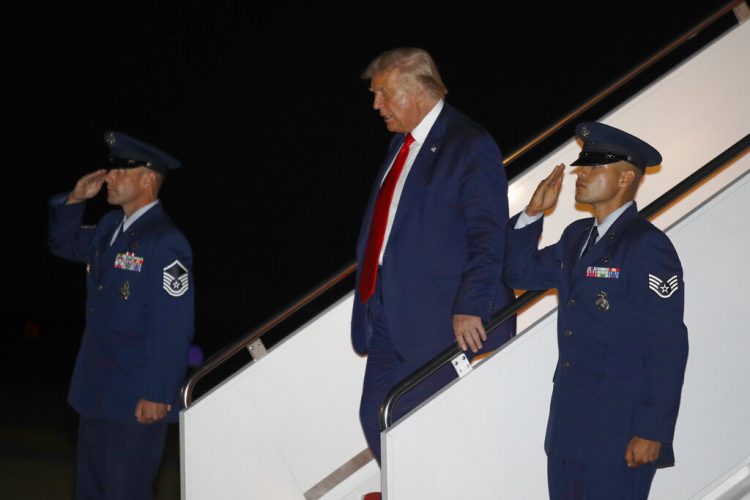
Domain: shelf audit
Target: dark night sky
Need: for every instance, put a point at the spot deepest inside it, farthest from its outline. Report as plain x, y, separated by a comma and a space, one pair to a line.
279, 144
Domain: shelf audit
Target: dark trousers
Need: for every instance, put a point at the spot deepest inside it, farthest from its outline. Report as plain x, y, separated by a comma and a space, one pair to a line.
571, 480
118, 461
385, 369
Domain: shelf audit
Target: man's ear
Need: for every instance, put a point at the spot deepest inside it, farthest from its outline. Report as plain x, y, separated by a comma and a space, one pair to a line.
421, 93
627, 177
145, 180
148, 180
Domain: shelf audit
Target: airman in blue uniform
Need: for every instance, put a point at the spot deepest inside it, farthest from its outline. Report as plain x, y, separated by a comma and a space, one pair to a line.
139, 319
621, 338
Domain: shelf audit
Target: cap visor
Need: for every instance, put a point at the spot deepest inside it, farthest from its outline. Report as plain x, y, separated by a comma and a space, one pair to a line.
591, 162
115, 162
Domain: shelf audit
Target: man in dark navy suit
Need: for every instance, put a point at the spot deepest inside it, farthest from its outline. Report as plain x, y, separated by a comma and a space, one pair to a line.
622, 342
430, 250
139, 320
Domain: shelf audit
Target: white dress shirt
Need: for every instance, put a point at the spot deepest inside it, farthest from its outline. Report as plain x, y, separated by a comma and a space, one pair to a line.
420, 135
128, 221
524, 220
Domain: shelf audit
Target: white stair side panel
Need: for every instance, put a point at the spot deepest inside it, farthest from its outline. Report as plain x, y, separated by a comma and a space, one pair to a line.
309, 391
713, 432
302, 400
485, 440
230, 457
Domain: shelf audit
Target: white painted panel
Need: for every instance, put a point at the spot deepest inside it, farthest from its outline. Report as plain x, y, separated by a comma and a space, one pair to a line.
712, 435
282, 424
309, 391
230, 457
484, 437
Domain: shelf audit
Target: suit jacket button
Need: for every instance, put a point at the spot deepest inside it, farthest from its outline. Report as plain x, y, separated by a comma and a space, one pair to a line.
571, 302
100, 288
568, 333
566, 364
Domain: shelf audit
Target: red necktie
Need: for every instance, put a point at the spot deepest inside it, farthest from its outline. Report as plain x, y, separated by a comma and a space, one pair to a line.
379, 221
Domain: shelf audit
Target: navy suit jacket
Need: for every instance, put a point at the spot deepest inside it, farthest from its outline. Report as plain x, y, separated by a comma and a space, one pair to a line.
444, 255
137, 333
622, 342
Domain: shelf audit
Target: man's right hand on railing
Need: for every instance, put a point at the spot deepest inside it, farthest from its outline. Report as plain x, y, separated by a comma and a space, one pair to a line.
469, 332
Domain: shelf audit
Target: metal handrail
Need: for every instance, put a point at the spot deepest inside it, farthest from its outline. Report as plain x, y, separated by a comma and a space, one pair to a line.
186, 393
223, 355
386, 408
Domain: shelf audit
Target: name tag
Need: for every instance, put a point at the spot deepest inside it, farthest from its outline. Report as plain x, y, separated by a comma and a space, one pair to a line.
129, 261
603, 272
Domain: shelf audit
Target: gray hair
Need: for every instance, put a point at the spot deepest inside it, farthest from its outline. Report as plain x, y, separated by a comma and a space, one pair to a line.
415, 66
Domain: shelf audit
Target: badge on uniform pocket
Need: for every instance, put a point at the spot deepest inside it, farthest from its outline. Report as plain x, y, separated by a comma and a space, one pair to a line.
603, 272
128, 261
601, 302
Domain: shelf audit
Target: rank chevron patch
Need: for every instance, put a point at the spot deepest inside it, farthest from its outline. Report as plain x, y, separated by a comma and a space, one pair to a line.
661, 288
175, 279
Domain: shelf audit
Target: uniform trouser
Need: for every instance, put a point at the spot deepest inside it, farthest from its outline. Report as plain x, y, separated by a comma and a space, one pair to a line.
385, 369
572, 480
118, 461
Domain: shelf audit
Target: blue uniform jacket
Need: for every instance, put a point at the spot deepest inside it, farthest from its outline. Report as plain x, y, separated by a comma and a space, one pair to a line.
622, 342
444, 255
139, 310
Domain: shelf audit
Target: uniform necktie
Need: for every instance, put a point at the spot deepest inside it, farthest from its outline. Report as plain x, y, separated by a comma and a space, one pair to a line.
592, 240
369, 270
116, 233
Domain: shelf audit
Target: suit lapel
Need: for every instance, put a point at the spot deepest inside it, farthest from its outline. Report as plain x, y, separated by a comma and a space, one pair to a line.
364, 233
423, 164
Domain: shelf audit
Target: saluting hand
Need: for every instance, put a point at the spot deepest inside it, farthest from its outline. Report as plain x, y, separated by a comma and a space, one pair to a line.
148, 412
469, 332
547, 192
87, 187
641, 451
